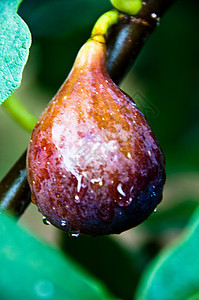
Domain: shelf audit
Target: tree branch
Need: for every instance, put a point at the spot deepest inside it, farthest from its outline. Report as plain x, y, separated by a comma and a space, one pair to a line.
126, 39
14, 189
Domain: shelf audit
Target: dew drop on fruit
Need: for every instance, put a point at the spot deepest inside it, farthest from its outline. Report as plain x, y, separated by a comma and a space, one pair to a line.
74, 234
77, 199
120, 190
124, 201
63, 223
155, 210
45, 221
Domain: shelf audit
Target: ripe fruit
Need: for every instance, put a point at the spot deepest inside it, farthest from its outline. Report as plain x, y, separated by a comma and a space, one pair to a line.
94, 165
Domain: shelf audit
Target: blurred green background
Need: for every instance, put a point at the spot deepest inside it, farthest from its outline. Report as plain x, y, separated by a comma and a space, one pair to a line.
163, 82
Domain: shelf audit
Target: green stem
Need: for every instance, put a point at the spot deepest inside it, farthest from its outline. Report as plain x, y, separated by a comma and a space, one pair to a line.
19, 113
131, 7
103, 24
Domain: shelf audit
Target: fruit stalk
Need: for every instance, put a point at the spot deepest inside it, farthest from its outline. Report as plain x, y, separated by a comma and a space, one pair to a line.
124, 43
19, 113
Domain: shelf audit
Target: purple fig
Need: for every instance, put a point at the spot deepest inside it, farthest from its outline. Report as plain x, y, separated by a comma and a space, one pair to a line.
94, 165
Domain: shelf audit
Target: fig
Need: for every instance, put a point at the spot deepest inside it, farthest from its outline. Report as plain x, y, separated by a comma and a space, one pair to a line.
93, 164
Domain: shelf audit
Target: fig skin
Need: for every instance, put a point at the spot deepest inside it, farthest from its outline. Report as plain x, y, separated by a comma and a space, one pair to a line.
93, 164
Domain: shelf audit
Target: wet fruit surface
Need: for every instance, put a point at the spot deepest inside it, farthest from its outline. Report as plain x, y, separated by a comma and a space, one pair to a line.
94, 165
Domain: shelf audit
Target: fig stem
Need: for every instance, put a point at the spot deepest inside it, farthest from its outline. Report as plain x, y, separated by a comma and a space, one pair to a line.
19, 113
103, 24
131, 7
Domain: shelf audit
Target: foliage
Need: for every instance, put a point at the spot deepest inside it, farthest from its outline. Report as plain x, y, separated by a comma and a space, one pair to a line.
45, 272
174, 274
14, 46
164, 81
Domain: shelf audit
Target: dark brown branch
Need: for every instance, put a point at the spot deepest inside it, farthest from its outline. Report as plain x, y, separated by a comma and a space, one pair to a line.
125, 42
126, 39
14, 189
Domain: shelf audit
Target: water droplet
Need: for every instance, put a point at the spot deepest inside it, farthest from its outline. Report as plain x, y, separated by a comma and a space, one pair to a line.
74, 234
45, 221
153, 15
63, 223
155, 210
149, 152
129, 155
79, 180
124, 201
77, 200
94, 180
120, 190
131, 189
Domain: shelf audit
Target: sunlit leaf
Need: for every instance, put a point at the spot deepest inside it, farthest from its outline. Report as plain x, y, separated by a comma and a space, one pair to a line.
15, 40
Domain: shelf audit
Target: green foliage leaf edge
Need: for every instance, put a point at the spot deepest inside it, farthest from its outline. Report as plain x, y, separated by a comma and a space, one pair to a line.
174, 273
15, 41
30, 269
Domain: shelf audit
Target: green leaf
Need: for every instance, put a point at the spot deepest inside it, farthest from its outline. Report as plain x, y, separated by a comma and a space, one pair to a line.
31, 270
174, 274
15, 40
